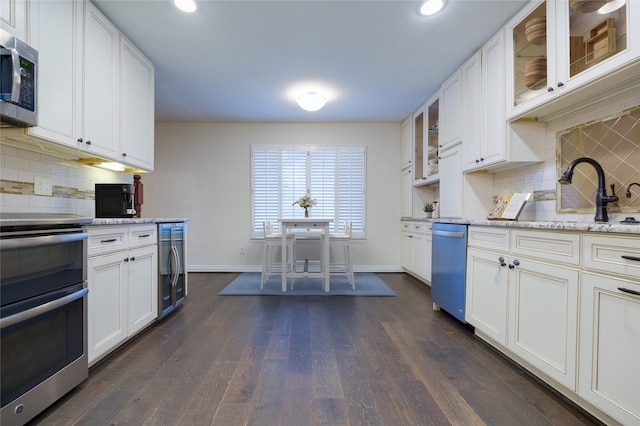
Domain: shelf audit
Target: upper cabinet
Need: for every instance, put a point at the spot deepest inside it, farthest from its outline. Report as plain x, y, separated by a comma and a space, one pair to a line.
136, 107
407, 143
95, 89
419, 174
561, 47
13, 18
451, 116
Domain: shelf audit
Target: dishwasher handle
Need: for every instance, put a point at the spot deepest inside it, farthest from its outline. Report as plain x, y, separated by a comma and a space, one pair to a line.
450, 234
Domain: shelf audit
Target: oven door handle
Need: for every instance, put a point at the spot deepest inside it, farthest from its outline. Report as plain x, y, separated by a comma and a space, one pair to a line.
42, 309
16, 243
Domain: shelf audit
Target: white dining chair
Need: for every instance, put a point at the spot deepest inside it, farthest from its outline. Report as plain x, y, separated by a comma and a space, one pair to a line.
343, 239
271, 240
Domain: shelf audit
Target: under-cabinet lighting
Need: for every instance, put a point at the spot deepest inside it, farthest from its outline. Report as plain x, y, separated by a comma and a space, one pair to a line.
185, 5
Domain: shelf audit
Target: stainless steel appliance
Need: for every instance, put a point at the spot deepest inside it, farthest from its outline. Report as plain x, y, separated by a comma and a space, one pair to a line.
449, 265
18, 82
173, 276
43, 312
114, 200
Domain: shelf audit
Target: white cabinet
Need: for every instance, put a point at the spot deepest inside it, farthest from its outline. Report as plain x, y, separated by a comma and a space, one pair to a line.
95, 89
416, 249
123, 285
451, 116
56, 32
523, 302
500, 144
13, 18
407, 143
101, 82
419, 169
562, 53
407, 193
609, 374
471, 108
610, 346
543, 317
451, 182
136, 107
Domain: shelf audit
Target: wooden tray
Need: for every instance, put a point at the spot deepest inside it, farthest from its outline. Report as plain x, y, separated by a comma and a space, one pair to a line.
601, 43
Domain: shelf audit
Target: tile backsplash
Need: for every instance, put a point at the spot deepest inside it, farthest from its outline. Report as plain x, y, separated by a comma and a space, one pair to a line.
72, 183
542, 179
614, 142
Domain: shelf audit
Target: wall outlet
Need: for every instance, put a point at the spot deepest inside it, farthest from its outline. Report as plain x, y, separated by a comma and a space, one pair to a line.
42, 185
241, 250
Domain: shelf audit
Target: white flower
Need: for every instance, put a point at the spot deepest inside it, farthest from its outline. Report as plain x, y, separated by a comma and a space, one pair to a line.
305, 202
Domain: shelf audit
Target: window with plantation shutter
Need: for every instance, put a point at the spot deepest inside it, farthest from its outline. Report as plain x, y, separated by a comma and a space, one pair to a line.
334, 176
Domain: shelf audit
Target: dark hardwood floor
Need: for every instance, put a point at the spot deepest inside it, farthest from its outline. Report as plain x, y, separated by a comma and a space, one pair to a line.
269, 360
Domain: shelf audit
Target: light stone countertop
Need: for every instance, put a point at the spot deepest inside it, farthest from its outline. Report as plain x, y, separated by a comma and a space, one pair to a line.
135, 220
613, 227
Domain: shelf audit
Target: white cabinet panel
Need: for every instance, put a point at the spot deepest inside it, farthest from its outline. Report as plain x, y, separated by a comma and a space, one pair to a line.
143, 287
543, 318
13, 18
107, 277
136, 107
486, 296
450, 111
451, 183
610, 346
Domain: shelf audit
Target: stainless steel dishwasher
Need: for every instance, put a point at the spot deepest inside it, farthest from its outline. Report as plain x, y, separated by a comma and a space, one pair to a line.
449, 265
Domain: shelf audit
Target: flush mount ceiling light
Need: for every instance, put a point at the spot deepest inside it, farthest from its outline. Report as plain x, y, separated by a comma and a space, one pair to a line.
431, 7
311, 101
185, 5
611, 6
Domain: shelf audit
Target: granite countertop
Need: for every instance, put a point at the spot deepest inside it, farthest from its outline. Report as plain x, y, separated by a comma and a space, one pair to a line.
135, 220
614, 227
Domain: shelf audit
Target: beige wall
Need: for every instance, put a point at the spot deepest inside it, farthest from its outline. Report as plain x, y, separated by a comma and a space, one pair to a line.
203, 172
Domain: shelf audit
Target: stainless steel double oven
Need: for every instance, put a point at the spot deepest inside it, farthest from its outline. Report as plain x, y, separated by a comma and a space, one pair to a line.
43, 312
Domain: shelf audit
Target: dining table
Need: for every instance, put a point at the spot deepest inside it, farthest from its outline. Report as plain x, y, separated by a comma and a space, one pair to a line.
290, 224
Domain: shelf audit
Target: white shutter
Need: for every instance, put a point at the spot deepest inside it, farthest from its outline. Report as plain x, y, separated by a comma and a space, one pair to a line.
334, 176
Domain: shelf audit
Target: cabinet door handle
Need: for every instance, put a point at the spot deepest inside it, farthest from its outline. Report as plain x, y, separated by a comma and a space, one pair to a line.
124, 154
637, 259
133, 258
111, 240
502, 262
88, 142
515, 263
626, 290
144, 236
560, 84
126, 259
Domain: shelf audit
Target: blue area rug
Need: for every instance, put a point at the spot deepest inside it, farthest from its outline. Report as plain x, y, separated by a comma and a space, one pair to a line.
248, 284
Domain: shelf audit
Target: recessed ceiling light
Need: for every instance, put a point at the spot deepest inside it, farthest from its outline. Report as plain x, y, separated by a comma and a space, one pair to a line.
311, 101
431, 7
185, 5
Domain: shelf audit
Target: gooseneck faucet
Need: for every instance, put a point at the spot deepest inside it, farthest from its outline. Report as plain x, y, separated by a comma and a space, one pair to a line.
601, 197
629, 188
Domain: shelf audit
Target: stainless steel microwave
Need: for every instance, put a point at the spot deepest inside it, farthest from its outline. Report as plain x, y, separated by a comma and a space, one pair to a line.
18, 82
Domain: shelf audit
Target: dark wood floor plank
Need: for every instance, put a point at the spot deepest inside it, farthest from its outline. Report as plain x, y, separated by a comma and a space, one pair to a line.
252, 360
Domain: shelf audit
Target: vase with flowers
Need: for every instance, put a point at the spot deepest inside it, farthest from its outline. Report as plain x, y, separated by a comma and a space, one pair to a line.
306, 203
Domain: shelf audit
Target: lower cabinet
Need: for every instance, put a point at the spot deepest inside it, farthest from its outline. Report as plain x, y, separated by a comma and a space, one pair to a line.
123, 286
416, 249
567, 306
529, 307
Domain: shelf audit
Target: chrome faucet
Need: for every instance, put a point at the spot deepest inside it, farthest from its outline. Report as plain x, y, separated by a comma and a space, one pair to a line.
629, 188
601, 197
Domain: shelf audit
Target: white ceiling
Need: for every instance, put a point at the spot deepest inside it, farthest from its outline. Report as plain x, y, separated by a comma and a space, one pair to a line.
244, 60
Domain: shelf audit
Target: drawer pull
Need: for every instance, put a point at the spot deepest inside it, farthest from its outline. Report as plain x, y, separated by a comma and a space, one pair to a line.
111, 240
637, 259
626, 290
144, 236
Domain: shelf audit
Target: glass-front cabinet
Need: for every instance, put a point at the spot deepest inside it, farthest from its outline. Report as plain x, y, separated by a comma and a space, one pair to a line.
418, 146
558, 46
433, 137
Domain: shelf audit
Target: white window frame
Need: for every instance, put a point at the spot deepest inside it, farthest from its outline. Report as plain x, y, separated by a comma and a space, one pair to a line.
294, 172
